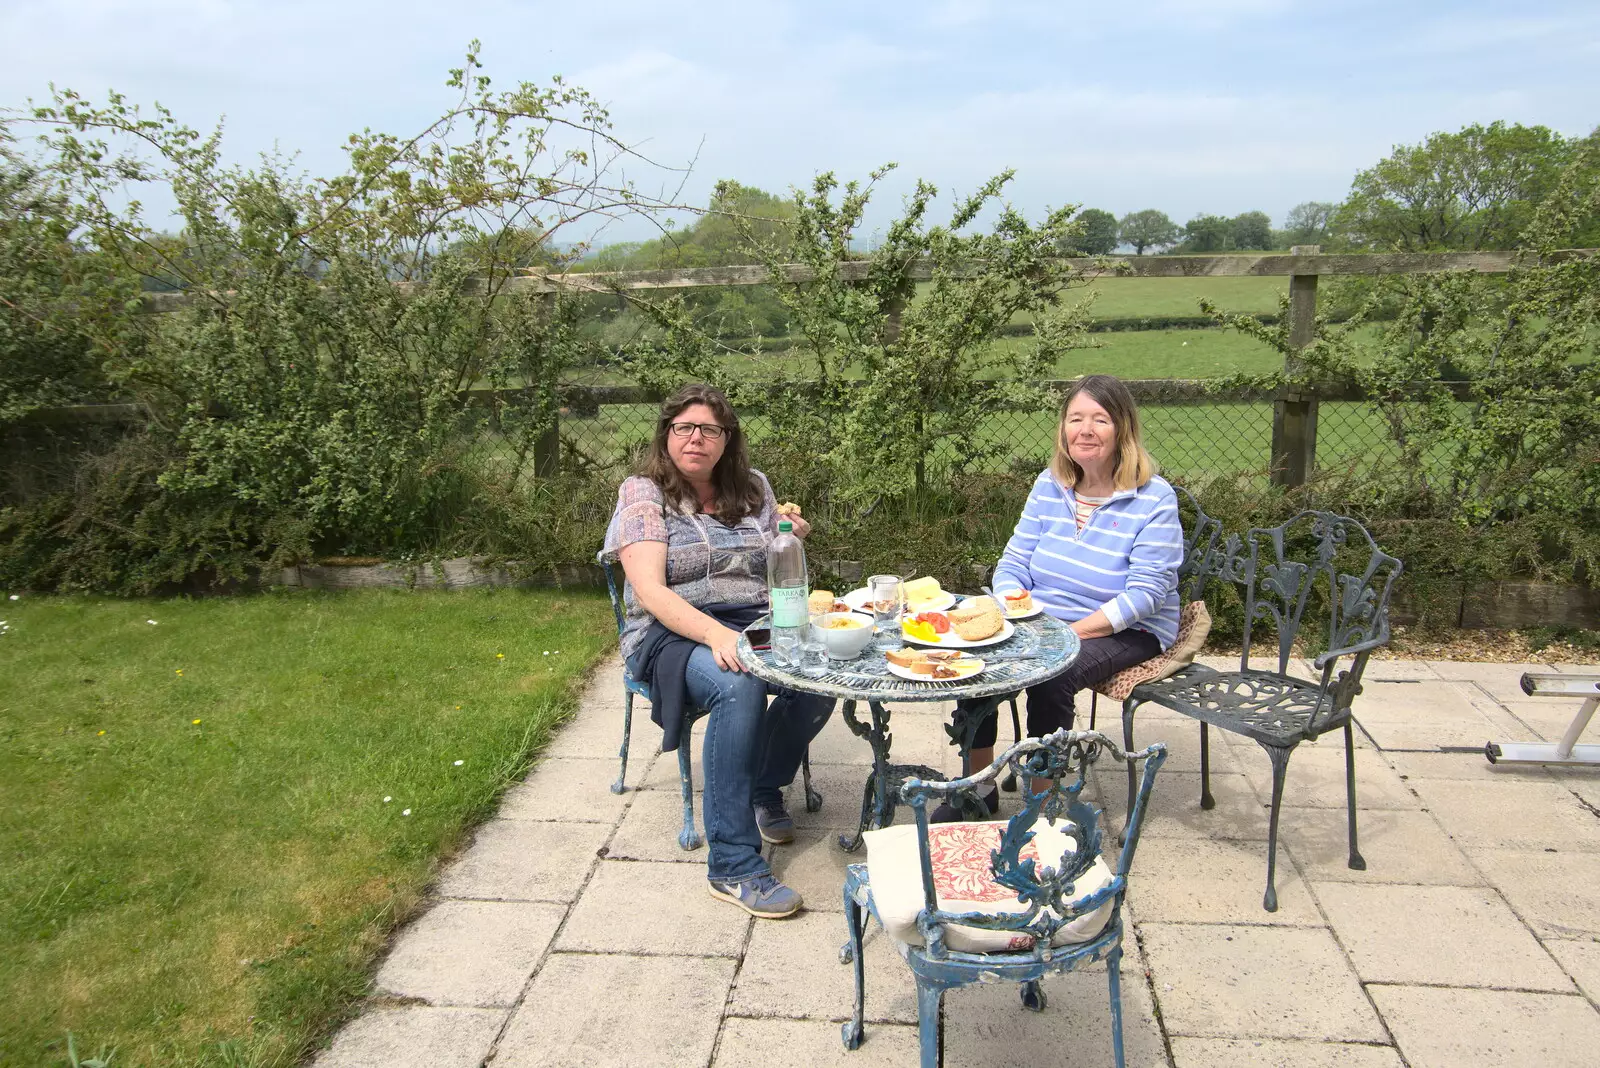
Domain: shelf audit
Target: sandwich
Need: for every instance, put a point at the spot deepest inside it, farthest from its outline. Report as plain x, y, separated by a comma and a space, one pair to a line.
976, 618
1017, 602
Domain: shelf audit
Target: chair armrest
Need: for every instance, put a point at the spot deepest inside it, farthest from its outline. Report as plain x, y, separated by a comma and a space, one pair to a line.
1324, 659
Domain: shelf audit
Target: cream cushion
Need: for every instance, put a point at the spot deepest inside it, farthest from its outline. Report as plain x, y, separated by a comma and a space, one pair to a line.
1194, 625
963, 881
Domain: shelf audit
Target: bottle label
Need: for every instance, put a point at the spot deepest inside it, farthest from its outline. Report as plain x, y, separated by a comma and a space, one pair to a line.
789, 606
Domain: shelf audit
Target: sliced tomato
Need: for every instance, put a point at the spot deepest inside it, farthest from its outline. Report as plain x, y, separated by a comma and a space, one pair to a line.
938, 620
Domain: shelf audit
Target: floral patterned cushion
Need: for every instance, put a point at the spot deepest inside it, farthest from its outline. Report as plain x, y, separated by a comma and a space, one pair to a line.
964, 882
1194, 625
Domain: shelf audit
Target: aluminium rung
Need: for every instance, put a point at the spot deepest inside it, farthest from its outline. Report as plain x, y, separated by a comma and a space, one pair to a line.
1549, 684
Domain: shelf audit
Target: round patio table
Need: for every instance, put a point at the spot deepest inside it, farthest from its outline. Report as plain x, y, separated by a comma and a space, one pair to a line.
1041, 648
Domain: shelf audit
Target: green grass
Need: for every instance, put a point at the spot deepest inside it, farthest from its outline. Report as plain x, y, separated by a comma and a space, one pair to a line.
197, 864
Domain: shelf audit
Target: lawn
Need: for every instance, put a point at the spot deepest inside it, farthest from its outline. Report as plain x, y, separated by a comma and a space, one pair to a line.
209, 822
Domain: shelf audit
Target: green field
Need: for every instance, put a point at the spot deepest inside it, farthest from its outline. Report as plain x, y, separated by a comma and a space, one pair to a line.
209, 824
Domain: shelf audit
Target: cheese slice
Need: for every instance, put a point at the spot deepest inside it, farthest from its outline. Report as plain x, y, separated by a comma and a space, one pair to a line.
919, 591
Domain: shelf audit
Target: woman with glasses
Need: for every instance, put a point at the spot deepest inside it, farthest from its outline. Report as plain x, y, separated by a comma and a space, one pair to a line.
1098, 547
691, 530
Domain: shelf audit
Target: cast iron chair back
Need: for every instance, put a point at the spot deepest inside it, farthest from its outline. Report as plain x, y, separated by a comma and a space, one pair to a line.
1280, 573
1279, 587
1048, 889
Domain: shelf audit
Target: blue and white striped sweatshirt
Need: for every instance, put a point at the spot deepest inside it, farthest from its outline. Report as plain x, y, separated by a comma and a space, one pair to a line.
1124, 562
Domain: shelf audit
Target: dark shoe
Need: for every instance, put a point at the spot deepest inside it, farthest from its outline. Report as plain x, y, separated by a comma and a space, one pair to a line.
763, 897
948, 813
775, 823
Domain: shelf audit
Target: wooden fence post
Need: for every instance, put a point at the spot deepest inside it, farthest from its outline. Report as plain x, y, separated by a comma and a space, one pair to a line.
1294, 413
547, 446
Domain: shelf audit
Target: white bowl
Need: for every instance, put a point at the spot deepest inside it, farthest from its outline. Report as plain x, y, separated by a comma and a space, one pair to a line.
846, 643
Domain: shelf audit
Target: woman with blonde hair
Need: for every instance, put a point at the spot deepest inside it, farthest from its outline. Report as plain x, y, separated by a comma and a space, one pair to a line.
1098, 547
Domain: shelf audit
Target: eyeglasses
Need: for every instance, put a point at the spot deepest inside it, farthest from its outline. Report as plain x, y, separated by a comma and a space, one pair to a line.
709, 431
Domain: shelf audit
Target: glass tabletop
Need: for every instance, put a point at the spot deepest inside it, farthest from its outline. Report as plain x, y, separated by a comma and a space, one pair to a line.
1041, 648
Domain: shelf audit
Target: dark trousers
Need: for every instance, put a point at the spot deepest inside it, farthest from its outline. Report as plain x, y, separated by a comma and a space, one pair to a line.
1050, 702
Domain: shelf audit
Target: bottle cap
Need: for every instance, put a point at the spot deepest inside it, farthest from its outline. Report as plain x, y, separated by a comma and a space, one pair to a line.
785, 526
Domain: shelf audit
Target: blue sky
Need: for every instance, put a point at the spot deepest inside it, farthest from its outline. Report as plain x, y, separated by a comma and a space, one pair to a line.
1189, 106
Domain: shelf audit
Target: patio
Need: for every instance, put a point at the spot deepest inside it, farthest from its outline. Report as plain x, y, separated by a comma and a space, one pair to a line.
1472, 939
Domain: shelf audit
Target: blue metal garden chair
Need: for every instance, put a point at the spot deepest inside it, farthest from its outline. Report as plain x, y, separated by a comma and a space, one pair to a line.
688, 838
1005, 900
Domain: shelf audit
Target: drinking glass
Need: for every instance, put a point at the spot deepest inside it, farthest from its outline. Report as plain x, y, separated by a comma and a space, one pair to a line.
886, 594
813, 653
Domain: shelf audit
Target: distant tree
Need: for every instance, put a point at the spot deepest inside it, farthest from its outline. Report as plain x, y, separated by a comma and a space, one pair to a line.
1307, 223
1207, 233
1253, 229
1469, 190
1099, 236
1147, 229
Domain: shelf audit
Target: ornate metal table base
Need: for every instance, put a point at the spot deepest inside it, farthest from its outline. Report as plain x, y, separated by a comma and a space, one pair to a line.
1040, 649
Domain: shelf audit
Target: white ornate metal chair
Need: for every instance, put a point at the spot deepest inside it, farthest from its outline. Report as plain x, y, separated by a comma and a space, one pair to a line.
1005, 900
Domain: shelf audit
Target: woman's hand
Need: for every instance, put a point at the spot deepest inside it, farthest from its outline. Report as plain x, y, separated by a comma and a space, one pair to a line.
791, 512
724, 645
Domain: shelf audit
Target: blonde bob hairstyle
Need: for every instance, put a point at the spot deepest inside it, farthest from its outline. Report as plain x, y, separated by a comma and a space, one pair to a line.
1133, 466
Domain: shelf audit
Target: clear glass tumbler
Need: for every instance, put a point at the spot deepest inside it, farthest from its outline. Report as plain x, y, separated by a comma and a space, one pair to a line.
813, 652
886, 594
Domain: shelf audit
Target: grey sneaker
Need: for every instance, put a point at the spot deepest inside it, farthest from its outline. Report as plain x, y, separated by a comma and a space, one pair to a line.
763, 897
775, 823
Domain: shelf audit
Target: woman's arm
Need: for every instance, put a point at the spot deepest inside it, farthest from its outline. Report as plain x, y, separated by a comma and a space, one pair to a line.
645, 564
1014, 571
1153, 562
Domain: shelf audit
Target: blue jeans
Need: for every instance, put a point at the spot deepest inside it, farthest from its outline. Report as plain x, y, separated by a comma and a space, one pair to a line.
752, 752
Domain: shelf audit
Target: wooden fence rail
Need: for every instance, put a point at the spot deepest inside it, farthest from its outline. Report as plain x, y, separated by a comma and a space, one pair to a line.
1294, 424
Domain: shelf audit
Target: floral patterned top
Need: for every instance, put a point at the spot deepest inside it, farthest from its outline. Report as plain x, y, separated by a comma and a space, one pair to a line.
707, 562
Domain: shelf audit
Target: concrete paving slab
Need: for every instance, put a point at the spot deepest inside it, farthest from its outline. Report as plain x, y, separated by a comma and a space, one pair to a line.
571, 790
1257, 982
814, 865
1316, 778
1175, 810
682, 917
1074, 1028
1209, 881
1430, 716
1549, 719
1397, 670
664, 771
1182, 739
649, 830
477, 953
1464, 767
1581, 960
414, 1036
1501, 681
517, 860
1554, 893
1276, 1053
1512, 815
617, 1010
1398, 846
1470, 937
813, 1043
792, 969
1444, 1028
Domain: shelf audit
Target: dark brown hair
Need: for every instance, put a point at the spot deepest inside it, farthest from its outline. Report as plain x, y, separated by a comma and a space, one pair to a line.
739, 491
1134, 466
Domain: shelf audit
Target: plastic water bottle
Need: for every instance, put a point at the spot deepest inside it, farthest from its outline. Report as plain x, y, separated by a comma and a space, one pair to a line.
787, 593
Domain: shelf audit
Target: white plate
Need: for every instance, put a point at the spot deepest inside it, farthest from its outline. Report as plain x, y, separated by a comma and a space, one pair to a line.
858, 601
950, 641
968, 668
1029, 614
